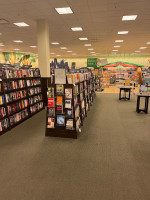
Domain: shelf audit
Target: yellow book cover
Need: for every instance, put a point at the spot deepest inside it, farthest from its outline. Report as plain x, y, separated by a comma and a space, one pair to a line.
73, 79
1, 102
127, 82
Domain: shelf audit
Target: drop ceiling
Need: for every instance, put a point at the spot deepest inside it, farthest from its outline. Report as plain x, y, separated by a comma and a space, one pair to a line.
100, 19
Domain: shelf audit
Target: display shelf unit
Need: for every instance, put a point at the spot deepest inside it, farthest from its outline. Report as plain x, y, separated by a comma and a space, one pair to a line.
82, 96
16, 98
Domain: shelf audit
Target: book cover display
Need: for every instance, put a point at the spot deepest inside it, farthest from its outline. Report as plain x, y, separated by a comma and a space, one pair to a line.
50, 112
69, 124
68, 103
60, 120
68, 93
51, 122
59, 100
50, 92
51, 102
60, 89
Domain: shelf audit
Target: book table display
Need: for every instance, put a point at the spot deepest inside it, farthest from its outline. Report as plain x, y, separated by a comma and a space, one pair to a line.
125, 89
68, 104
20, 96
140, 95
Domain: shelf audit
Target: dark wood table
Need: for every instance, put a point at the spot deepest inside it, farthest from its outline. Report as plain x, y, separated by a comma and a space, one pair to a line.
139, 96
126, 89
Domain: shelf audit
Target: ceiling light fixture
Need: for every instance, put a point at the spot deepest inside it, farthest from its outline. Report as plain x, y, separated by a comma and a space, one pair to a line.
129, 17
118, 40
18, 41
52, 53
123, 32
63, 47
69, 51
2, 45
142, 47
55, 43
116, 46
92, 52
115, 50
77, 29
137, 51
64, 11
83, 38
87, 45
90, 49
148, 42
21, 24
58, 55
33, 46
16, 49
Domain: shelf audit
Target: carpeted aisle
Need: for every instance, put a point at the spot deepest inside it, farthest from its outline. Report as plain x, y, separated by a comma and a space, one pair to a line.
109, 161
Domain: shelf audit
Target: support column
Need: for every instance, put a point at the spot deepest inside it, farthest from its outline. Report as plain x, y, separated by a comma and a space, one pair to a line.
43, 47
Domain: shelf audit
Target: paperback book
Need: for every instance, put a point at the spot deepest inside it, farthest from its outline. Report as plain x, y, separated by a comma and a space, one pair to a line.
68, 93
67, 103
50, 122
59, 100
51, 102
50, 92
60, 89
69, 112
60, 120
69, 124
51, 112
59, 109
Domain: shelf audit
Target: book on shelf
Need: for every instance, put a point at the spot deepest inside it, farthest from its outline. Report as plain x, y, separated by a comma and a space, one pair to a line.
59, 109
50, 92
69, 124
67, 103
4, 124
2, 101
36, 107
50, 122
51, 102
60, 89
60, 120
2, 112
69, 112
68, 93
50, 112
59, 100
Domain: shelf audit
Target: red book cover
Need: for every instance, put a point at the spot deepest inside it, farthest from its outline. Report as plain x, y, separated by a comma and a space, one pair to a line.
51, 102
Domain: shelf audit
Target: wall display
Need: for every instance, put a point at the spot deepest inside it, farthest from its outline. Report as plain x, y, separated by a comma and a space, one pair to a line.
51, 122
68, 93
60, 76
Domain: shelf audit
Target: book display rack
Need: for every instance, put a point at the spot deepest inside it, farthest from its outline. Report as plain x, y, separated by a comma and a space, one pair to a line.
68, 104
20, 96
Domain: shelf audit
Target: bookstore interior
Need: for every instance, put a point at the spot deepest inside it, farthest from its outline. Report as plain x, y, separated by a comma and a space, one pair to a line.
74, 99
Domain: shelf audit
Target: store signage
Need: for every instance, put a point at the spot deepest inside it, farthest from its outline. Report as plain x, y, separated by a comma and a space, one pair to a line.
91, 62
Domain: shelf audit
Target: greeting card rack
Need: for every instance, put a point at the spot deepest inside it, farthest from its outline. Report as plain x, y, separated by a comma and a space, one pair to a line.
21, 96
67, 107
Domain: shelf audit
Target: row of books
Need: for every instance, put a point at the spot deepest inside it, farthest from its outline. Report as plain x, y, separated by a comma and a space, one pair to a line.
4, 124
14, 107
12, 96
33, 82
2, 100
2, 112
33, 91
35, 99
78, 77
9, 72
36, 107
18, 117
11, 85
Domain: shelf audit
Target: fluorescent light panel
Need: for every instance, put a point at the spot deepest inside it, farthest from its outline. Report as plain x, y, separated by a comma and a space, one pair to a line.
69, 51
55, 43
76, 29
116, 46
129, 17
148, 42
83, 38
2, 45
58, 55
142, 47
52, 53
64, 11
63, 47
92, 52
123, 32
114, 50
16, 49
87, 45
33, 46
18, 41
90, 49
21, 24
137, 51
118, 40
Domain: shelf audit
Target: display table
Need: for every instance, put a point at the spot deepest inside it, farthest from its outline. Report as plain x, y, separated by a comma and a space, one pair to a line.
125, 89
142, 95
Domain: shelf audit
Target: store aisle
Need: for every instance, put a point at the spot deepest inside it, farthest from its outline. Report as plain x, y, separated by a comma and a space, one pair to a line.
109, 161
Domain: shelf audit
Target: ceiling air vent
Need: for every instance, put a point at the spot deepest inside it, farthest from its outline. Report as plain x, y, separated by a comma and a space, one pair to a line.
4, 21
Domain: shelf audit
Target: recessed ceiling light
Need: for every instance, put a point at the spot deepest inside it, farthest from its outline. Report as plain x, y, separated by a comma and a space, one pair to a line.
16, 49
129, 17
116, 46
63, 47
118, 40
52, 53
90, 49
58, 55
142, 47
77, 29
87, 45
64, 11
69, 51
33, 46
2, 45
148, 42
18, 41
115, 50
54, 42
21, 24
83, 38
137, 51
0, 33
123, 32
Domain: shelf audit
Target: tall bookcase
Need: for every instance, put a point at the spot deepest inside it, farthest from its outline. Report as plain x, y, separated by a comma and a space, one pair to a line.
21, 96
68, 105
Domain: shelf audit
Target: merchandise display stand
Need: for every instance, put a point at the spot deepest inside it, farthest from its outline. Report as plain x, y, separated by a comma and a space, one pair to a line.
139, 96
68, 105
21, 95
125, 89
